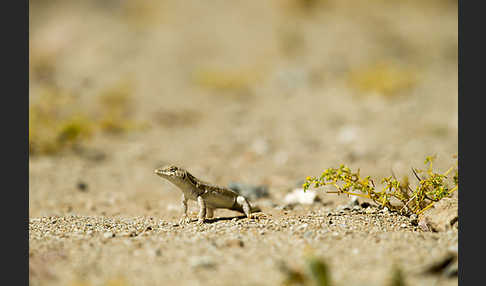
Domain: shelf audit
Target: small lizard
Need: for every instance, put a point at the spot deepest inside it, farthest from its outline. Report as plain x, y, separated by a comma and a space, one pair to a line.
208, 196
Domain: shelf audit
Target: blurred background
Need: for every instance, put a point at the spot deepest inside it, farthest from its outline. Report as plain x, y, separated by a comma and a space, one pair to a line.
260, 92
265, 92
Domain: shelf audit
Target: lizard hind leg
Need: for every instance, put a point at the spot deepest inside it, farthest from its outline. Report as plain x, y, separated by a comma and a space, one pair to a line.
244, 205
209, 212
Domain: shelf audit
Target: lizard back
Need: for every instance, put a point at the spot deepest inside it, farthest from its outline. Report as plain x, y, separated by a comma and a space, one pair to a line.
214, 196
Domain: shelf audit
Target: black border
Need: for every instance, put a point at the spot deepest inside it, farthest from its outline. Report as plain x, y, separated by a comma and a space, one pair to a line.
471, 124
15, 123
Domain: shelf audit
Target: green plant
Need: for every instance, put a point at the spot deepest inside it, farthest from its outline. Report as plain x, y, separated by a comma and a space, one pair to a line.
397, 277
316, 273
220, 79
54, 125
57, 120
431, 187
385, 78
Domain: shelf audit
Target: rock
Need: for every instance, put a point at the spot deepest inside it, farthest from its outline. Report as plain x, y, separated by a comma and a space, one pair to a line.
454, 249
425, 226
234, 243
370, 210
343, 208
442, 216
365, 205
414, 219
348, 134
302, 227
452, 270
444, 265
202, 262
353, 201
108, 234
251, 192
298, 196
286, 207
82, 186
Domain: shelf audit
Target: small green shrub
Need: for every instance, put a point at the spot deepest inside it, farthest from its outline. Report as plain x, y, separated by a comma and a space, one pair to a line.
431, 187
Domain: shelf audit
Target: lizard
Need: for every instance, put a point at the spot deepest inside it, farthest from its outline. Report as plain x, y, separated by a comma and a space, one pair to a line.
208, 196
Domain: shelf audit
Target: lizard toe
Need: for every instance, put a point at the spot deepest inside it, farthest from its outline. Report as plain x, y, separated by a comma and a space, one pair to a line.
184, 220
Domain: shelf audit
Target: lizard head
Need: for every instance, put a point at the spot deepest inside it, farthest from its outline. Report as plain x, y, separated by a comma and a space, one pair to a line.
171, 172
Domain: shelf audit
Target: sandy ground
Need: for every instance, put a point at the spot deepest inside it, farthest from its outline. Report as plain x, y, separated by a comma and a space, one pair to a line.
258, 92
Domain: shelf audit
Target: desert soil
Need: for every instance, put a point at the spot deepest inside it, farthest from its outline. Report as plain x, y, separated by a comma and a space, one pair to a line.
276, 103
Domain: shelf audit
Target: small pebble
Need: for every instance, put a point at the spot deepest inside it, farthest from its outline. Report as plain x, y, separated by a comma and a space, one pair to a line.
365, 205
414, 219
370, 210
308, 234
353, 201
82, 186
303, 226
298, 196
235, 242
202, 262
453, 249
108, 234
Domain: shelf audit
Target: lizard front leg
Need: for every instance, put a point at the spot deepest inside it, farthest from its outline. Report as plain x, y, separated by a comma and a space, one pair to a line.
202, 210
185, 218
